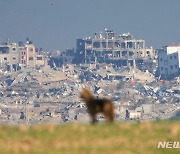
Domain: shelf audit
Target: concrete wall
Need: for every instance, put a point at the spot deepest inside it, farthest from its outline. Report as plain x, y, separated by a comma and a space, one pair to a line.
40, 60
9, 55
31, 55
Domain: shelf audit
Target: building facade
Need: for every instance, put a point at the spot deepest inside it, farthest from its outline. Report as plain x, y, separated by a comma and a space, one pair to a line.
30, 55
106, 47
9, 56
169, 61
14, 56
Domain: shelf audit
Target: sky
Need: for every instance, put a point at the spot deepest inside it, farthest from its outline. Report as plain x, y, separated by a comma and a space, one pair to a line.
56, 24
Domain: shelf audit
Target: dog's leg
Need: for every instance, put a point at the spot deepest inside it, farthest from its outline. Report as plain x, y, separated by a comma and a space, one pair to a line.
108, 112
109, 115
94, 120
106, 115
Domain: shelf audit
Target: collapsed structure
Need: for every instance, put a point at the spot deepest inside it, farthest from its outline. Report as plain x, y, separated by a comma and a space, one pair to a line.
123, 50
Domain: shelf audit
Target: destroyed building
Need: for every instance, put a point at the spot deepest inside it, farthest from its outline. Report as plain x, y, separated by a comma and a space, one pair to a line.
35, 95
122, 50
67, 57
59, 58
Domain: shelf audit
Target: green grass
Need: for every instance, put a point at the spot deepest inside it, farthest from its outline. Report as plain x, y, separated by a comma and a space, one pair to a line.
85, 138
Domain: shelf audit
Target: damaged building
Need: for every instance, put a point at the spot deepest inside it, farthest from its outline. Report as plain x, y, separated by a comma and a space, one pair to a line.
14, 56
9, 56
122, 50
169, 61
30, 57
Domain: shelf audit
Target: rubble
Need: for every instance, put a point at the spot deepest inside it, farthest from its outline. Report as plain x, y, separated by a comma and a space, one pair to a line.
43, 95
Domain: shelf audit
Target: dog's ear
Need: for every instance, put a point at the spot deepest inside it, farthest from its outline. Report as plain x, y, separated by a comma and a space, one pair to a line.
85, 89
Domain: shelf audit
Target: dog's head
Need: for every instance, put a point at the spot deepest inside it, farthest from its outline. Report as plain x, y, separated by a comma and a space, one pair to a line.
86, 95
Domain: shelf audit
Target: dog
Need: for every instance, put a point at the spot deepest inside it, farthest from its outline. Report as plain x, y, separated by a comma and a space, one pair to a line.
97, 105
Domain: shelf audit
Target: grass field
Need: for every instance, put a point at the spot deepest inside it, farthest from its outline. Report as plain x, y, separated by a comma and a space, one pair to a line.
125, 138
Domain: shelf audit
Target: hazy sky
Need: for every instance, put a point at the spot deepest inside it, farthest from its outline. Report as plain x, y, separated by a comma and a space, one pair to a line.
58, 26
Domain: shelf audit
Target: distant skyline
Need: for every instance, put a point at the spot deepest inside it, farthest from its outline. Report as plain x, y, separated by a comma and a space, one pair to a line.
56, 24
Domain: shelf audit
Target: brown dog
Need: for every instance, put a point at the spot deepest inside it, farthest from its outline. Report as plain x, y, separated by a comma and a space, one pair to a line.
96, 105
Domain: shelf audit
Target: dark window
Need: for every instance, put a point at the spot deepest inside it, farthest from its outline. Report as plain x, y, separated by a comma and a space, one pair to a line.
14, 49
175, 57
170, 57
4, 50
5, 58
30, 49
175, 66
131, 53
171, 66
39, 58
96, 45
30, 58
14, 58
104, 44
160, 59
161, 68
23, 61
124, 53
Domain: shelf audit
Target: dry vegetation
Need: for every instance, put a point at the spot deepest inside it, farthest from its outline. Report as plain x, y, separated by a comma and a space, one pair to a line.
125, 138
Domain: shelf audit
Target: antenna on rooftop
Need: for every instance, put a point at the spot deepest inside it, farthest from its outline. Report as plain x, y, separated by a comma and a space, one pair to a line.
8, 42
27, 40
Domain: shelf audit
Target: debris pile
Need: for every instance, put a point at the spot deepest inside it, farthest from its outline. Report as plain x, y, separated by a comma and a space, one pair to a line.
52, 95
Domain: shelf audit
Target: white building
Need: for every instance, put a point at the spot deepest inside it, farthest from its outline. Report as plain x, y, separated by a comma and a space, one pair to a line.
169, 61
132, 114
135, 114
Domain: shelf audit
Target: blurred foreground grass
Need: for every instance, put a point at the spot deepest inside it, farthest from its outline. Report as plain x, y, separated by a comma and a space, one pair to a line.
125, 138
